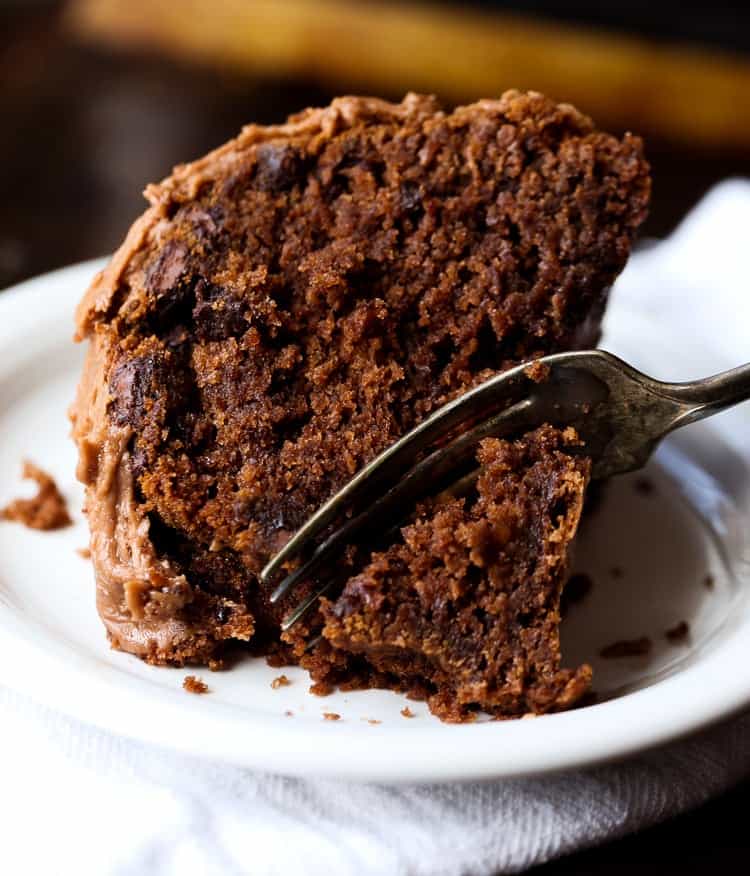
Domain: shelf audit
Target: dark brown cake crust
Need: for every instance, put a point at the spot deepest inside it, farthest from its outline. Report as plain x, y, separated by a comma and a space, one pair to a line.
295, 301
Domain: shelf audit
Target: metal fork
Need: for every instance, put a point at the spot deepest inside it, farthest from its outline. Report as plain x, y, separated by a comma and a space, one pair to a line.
619, 413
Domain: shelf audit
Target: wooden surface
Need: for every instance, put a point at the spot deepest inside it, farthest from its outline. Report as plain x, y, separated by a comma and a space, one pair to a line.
83, 130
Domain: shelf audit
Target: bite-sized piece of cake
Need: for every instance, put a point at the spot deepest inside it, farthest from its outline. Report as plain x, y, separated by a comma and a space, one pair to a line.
295, 301
466, 608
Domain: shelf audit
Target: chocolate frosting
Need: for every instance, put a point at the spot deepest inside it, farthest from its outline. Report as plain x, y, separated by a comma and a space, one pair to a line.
130, 578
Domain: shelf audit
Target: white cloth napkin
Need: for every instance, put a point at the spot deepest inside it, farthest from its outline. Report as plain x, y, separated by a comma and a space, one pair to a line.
77, 799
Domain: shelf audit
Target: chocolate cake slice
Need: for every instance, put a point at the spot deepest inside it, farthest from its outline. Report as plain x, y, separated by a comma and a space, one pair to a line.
465, 609
295, 301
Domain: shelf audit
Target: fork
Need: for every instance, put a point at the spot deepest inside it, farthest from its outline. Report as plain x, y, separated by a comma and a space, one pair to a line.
619, 413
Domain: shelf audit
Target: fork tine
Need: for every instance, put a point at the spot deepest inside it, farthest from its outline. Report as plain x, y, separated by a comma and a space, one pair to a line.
413, 485
388, 466
618, 413
303, 607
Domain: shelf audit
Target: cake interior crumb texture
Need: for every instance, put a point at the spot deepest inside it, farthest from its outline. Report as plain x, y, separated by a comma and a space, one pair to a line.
291, 304
465, 609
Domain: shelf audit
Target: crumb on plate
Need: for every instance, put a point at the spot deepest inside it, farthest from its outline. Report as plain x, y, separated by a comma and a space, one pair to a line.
193, 684
46, 510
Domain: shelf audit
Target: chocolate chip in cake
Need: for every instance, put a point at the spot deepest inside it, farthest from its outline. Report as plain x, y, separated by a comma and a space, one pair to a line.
217, 314
129, 388
279, 167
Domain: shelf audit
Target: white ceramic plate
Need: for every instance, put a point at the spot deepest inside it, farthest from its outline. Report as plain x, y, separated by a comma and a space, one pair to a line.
648, 556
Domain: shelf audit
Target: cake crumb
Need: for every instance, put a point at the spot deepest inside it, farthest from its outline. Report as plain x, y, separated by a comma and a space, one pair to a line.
678, 633
45, 511
407, 712
709, 582
616, 572
289, 713
627, 648
537, 371
84, 553
194, 685
331, 716
280, 681
372, 720
645, 486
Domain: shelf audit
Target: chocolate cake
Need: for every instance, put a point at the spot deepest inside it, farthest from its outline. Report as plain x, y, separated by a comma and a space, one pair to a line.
286, 308
465, 609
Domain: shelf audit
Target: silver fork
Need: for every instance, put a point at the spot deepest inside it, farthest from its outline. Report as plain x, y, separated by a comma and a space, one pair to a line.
619, 413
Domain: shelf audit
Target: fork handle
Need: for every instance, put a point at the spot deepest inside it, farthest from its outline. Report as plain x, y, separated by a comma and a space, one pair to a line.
702, 398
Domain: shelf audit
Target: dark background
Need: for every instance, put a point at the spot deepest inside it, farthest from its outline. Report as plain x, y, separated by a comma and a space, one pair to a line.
85, 126
722, 24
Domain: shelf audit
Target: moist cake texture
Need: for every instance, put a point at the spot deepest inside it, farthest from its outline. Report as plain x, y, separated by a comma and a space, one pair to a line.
295, 301
465, 610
